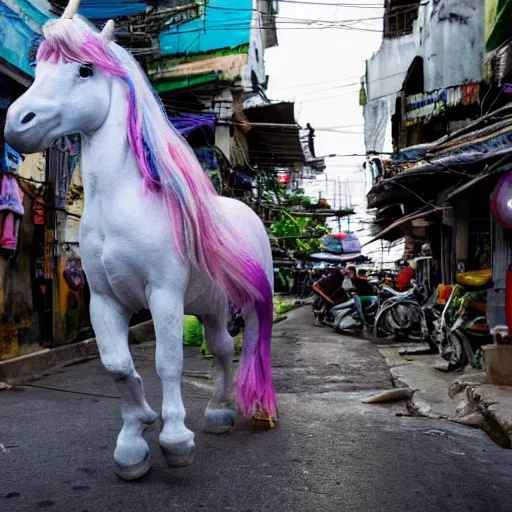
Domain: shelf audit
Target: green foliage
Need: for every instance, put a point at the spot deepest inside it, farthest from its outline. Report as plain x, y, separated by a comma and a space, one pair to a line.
281, 306
192, 331
286, 226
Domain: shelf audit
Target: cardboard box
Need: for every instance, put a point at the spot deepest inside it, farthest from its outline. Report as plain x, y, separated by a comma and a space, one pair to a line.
498, 364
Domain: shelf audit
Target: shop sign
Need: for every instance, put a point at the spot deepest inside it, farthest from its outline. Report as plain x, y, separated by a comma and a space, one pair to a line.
423, 106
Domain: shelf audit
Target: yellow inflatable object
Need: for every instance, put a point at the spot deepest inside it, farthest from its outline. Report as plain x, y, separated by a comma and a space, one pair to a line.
475, 279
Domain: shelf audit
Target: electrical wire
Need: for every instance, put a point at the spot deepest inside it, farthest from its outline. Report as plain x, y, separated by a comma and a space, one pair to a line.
246, 26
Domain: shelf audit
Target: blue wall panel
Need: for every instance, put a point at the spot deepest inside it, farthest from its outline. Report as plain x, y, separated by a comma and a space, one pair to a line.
225, 24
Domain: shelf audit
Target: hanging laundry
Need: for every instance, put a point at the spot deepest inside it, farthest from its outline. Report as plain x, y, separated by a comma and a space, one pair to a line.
470, 94
11, 196
38, 208
11, 209
10, 230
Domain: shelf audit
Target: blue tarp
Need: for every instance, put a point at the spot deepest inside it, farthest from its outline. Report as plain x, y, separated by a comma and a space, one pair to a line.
105, 9
17, 34
15, 40
225, 24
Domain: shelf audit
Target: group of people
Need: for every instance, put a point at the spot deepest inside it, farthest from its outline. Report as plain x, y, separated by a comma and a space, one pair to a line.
335, 285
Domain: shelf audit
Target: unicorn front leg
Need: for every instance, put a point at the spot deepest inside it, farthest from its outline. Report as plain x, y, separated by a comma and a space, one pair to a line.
110, 323
176, 440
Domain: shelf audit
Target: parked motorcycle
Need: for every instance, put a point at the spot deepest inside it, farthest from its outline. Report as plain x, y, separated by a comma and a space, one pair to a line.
462, 328
343, 309
401, 314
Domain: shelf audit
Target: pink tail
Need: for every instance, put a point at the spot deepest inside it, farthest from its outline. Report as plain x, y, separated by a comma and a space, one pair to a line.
256, 395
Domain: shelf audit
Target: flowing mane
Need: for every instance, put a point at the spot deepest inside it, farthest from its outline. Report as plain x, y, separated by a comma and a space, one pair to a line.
168, 165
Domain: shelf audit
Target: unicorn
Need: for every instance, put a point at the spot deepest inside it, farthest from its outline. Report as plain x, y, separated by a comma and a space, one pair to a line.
154, 234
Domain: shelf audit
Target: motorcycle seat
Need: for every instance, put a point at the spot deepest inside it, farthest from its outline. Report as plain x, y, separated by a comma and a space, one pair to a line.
396, 293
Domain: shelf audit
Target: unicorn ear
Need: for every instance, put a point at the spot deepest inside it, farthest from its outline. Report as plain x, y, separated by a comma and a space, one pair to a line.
107, 34
71, 9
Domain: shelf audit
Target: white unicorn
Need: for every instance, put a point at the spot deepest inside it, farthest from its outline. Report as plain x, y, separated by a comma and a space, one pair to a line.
154, 234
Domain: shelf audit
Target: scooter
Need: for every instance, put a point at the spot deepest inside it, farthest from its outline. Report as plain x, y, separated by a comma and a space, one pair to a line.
351, 316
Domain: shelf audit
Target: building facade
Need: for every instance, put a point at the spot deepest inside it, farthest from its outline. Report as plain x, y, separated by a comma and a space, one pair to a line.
439, 137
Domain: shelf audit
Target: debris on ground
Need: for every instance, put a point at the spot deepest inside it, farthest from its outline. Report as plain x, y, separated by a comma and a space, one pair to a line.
391, 395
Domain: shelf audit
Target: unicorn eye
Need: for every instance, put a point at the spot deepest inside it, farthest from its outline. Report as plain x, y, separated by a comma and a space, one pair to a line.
85, 71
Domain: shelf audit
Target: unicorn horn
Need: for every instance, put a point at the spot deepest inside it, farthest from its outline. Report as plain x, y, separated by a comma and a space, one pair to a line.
107, 34
71, 9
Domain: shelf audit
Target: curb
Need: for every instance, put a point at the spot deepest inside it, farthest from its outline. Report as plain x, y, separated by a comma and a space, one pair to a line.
493, 404
36, 363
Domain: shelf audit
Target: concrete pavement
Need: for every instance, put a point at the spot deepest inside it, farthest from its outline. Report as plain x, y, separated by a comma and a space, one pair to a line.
329, 452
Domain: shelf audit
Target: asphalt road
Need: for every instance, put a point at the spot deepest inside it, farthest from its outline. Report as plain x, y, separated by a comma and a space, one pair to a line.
329, 452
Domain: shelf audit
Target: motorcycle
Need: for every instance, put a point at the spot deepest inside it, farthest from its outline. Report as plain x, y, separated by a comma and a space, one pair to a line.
401, 314
345, 311
462, 328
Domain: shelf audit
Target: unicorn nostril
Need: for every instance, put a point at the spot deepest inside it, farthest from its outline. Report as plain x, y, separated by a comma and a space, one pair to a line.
28, 118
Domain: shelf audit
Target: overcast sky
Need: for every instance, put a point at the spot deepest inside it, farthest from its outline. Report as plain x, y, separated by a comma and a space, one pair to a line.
320, 68
312, 63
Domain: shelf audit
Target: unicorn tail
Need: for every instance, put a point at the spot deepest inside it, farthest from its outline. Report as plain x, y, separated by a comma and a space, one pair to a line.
256, 395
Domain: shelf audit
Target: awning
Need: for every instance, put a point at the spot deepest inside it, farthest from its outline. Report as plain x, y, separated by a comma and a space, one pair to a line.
273, 137
419, 214
227, 67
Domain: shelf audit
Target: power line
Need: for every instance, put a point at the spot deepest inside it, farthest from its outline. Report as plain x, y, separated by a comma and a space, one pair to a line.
351, 5
246, 26
288, 19
329, 97
318, 83
354, 5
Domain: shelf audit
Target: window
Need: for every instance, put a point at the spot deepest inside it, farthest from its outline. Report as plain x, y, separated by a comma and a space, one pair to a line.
399, 17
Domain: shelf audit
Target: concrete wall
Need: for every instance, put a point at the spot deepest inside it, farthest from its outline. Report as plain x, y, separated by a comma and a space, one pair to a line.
448, 35
256, 57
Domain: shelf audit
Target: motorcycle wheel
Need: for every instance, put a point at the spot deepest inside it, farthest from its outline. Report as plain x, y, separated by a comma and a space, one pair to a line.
454, 352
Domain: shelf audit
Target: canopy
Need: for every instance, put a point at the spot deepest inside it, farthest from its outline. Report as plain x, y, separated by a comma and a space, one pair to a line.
273, 136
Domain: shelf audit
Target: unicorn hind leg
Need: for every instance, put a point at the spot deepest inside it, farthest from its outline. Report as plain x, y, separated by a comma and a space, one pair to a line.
110, 322
221, 410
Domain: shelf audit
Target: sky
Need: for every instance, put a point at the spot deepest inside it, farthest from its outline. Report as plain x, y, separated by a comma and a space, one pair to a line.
314, 66
320, 69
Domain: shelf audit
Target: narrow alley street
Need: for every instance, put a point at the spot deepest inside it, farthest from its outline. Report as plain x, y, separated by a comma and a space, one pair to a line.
330, 452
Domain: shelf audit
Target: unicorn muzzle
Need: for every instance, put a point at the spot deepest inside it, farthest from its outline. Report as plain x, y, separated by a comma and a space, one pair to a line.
27, 125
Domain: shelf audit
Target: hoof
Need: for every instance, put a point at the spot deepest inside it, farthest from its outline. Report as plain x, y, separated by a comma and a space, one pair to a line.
219, 421
135, 471
179, 454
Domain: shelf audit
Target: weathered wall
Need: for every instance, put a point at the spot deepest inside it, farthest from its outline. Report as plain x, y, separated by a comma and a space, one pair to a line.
256, 59
448, 35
